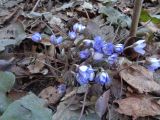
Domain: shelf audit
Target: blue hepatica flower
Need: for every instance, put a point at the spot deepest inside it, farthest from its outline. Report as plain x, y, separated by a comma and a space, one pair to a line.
108, 48
78, 27
119, 48
85, 74
84, 54
154, 64
61, 88
55, 40
139, 47
98, 44
36, 37
112, 59
102, 78
72, 35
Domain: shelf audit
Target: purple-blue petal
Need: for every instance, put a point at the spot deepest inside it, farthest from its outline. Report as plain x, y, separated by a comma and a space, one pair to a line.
84, 54
119, 48
108, 48
36, 37
72, 35
98, 44
112, 59
62, 88
102, 78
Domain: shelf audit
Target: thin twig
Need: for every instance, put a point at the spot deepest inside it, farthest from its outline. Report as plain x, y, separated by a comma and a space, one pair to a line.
46, 64
84, 103
48, 26
34, 8
87, 14
116, 34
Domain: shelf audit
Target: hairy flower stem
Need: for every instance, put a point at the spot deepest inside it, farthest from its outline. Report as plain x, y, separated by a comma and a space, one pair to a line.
135, 17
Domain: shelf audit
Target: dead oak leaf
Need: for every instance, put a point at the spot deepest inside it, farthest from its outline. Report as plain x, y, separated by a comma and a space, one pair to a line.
138, 106
139, 78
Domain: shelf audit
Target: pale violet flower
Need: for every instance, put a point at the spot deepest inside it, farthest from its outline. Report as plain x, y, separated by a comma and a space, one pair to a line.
56, 40
97, 56
112, 59
102, 78
118, 48
154, 64
36, 37
78, 27
72, 35
108, 48
61, 88
139, 47
85, 74
84, 54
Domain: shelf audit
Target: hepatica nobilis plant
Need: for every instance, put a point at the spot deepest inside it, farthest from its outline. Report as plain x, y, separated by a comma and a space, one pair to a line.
97, 50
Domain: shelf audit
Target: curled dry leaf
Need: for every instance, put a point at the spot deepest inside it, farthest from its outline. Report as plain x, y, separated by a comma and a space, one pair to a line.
138, 106
102, 103
139, 78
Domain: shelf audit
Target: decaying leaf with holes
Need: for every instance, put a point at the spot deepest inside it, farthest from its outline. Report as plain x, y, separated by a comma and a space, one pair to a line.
38, 64
50, 94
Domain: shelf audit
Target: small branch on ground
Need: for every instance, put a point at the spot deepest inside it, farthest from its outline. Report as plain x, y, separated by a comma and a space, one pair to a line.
84, 103
34, 8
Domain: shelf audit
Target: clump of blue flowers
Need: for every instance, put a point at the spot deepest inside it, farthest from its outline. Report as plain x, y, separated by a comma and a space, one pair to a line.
98, 50
86, 74
104, 51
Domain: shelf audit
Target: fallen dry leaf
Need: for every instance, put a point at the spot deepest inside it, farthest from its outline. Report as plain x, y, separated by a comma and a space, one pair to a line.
50, 94
139, 78
38, 65
102, 103
138, 106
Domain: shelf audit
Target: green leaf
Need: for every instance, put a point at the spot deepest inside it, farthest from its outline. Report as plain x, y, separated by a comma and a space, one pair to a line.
4, 102
145, 16
116, 17
7, 81
29, 107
